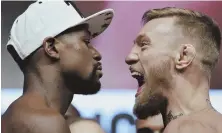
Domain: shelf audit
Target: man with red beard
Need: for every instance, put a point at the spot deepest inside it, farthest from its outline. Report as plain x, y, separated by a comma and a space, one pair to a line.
172, 58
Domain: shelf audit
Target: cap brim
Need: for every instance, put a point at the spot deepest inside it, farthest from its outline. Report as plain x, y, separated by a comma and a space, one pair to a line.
98, 22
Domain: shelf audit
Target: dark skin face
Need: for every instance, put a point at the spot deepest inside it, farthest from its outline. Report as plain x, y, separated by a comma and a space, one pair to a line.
153, 61
78, 60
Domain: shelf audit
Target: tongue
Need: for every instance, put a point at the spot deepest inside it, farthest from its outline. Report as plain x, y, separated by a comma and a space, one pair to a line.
139, 89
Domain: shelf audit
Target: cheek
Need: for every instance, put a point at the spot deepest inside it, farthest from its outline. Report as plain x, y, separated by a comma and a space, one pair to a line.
148, 58
149, 53
79, 59
156, 62
160, 68
158, 72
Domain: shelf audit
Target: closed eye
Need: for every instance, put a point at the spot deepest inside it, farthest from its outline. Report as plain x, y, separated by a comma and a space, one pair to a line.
144, 43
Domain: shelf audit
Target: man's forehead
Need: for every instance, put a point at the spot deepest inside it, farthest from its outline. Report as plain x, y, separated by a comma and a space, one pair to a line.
85, 28
82, 32
159, 25
87, 33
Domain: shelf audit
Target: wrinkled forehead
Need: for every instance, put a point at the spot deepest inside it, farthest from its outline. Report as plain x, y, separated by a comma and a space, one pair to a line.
159, 26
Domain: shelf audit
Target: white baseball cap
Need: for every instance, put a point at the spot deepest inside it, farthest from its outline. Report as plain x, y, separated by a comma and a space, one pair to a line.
49, 18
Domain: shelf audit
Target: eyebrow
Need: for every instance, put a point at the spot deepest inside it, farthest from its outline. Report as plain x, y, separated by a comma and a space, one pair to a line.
139, 38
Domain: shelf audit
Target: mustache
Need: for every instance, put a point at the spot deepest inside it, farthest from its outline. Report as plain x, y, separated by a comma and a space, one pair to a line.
132, 69
98, 66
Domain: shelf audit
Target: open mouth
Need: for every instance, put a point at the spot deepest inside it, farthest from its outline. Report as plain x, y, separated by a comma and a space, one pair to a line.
140, 79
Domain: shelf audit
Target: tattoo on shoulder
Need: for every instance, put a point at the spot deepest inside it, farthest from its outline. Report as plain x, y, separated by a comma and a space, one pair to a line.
170, 116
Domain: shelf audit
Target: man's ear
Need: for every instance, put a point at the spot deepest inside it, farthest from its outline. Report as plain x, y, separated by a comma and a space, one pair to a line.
185, 56
49, 45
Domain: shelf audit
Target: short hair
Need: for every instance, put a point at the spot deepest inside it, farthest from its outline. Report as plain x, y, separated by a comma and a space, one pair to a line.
196, 26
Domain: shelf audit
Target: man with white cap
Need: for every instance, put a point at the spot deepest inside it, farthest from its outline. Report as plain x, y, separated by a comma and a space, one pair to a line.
50, 42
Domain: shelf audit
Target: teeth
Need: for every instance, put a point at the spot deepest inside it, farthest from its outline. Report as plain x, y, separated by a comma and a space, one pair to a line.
136, 74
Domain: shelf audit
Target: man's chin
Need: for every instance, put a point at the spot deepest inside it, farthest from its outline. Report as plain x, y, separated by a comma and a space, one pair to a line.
149, 108
145, 111
90, 88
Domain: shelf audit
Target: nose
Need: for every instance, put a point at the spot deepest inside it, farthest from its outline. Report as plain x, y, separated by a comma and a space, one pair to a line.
132, 58
96, 55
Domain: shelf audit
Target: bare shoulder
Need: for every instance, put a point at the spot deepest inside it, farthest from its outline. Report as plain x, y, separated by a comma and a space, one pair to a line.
47, 121
81, 124
217, 121
188, 126
23, 119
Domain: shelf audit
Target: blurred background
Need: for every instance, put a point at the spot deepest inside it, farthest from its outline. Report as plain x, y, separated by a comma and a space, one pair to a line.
112, 106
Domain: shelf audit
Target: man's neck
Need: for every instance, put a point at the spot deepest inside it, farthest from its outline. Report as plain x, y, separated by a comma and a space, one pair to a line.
185, 99
49, 85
